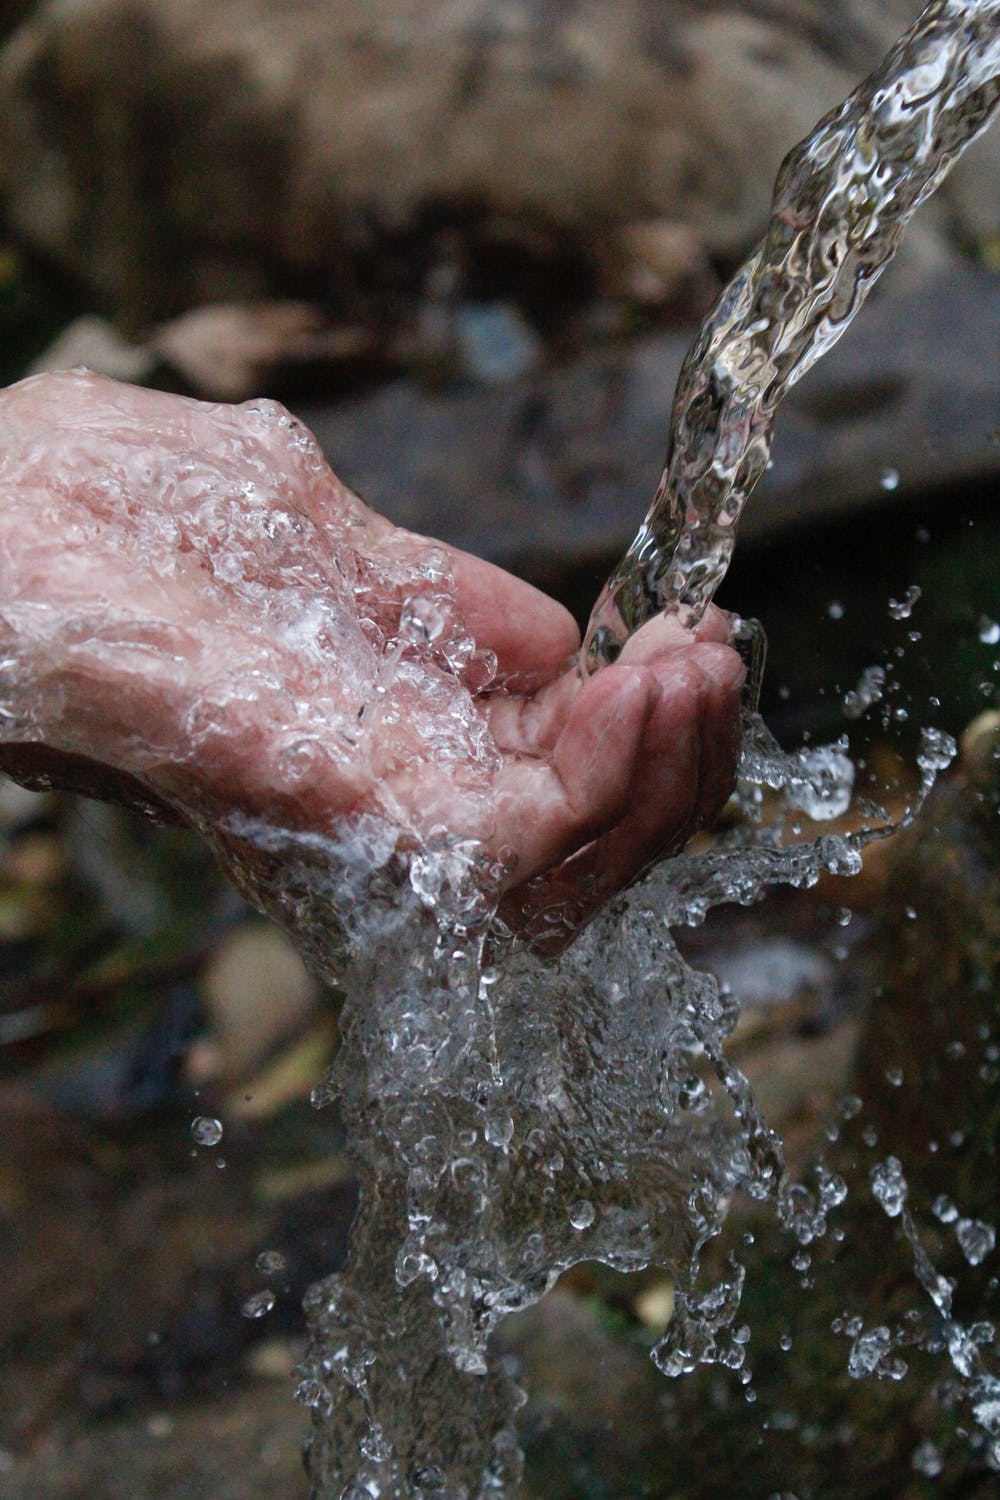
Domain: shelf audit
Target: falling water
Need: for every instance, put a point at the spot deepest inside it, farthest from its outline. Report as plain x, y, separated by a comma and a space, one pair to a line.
841, 202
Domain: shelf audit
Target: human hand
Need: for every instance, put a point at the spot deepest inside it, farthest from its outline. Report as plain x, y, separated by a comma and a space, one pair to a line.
195, 614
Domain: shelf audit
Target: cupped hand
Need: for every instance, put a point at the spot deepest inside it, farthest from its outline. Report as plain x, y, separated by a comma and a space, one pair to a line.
195, 614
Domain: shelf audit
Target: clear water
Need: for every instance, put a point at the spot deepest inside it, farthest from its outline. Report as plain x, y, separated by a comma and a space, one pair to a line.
841, 202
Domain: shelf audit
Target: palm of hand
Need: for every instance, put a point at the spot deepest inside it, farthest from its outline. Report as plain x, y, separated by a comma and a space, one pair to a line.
190, 598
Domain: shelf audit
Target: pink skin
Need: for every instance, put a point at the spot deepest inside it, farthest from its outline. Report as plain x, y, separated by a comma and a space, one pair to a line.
153, 623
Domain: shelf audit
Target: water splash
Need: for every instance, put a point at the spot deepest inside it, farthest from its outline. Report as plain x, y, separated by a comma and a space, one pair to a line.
510, 1118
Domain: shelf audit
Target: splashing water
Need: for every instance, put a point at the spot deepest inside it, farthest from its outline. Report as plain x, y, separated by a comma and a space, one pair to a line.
510, 1117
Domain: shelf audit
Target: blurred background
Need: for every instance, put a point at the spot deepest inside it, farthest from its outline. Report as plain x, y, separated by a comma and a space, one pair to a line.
468, 241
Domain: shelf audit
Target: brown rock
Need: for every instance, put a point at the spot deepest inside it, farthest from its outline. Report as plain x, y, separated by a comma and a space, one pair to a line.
230, 351
170, 153
257, 994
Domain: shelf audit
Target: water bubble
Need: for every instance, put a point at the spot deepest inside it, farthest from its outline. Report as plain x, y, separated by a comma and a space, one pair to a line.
989, 630
422, 619
259, 1305
498, 1128
849, 1106
977, 1240
889, 480
271, 1263
206, 1130
843, 917
942, 1208
582, 1214
987, 1410
894, 1076
927, 1459
835, 610
889, 1185
901, 609
785, 1342
314, 1394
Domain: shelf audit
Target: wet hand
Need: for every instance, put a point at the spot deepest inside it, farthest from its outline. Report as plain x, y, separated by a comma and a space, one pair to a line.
196, 615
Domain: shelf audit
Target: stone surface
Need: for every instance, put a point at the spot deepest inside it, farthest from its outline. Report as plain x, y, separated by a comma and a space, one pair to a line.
554, 473
167, 153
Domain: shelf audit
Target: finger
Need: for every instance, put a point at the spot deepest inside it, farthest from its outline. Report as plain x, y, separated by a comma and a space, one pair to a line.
532, 635
532, 722
546, 808
666, 633
684, 773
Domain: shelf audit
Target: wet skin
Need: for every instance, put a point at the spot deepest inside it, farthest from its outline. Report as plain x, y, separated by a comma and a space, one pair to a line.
195, 614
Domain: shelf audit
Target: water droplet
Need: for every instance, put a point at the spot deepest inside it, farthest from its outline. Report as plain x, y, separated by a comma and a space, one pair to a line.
901, 609
889, 1185
206, 1130
314, 1394
989, 630
422, 619
927, 1459
976, 1239
937, 750
271, 1262
258, 1305
582, 1214
871, 1354
890, 480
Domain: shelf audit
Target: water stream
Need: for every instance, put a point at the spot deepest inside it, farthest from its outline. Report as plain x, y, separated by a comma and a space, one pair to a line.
510, 1116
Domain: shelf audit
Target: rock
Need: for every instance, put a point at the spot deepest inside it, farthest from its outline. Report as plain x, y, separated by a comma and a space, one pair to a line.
257, 994
166, 153
231, 351
551, 475
96, 343
495, 343
656, 262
